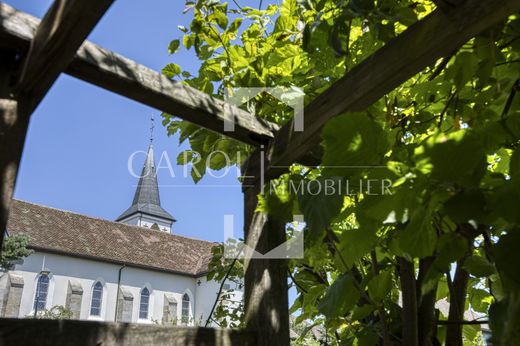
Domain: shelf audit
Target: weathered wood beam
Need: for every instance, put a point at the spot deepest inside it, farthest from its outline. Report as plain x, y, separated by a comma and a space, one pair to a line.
13, 127
39, 332
140, 83
61, 32
12, 135
266, 290
416, 48
123, 76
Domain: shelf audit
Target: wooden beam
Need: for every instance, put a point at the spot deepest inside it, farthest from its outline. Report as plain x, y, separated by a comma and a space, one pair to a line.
65, 26
123, 76
420, 45
13, 128
39, 332
140, 83
12, 136
266, 290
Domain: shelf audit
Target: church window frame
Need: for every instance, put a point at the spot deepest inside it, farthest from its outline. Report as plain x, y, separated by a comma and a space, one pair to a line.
144, 303
97, 299
41, 292
185, 309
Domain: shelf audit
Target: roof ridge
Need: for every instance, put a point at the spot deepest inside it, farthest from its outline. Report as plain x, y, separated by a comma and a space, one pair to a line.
59, 209
116, 222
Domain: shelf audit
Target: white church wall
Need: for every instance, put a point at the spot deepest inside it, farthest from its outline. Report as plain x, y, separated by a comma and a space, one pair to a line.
206, 295
132, 220
87, 272
134, 279
143, 220
62, 269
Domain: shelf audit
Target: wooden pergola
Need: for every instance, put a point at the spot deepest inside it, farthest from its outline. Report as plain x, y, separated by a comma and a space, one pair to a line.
34, 53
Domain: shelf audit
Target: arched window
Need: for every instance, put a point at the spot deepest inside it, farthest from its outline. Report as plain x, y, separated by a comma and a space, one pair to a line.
97, 299
143, 306
42, 288
185, 314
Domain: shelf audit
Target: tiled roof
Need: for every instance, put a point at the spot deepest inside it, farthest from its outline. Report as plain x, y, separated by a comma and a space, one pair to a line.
64, 232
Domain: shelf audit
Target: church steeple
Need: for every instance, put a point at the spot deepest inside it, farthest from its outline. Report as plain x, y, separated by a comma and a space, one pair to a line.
146, 209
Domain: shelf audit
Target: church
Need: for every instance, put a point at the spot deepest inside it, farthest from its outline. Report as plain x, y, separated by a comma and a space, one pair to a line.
132, 269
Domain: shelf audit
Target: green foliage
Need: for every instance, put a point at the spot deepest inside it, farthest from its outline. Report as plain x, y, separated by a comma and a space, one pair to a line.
446, 139
352, 140
57, 312
478, 266
380, 285
340, 297
305, 332
229, 309
318, 208
14, 248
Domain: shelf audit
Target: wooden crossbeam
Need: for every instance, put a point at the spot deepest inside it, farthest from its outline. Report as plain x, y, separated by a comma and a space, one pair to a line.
123, 76
39, 332
128, 78
420, 45
65, 26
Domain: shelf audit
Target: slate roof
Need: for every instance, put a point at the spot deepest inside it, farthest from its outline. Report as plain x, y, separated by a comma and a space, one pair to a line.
64, 232
146, 198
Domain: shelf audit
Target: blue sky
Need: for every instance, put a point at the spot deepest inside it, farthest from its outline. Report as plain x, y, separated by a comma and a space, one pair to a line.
81, 136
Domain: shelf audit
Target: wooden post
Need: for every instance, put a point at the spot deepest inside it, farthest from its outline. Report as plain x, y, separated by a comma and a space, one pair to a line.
266, 291
61, 32
13, 128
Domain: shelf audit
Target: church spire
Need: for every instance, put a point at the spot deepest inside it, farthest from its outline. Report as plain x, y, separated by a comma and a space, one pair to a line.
146, 209
147, 192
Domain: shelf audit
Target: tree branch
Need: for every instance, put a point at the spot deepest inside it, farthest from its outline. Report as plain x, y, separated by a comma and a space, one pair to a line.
441, 66
441, 116
409, 296
511, 97
441, 322
380, 308
457, 300
426, 309
296, 283
220, 291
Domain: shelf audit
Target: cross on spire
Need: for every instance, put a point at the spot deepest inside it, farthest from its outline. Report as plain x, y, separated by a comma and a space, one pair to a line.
152, 126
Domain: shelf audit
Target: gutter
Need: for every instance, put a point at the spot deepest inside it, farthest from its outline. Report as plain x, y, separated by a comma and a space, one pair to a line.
118, 289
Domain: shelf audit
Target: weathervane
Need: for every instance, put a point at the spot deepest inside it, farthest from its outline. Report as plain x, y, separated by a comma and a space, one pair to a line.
152, 126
